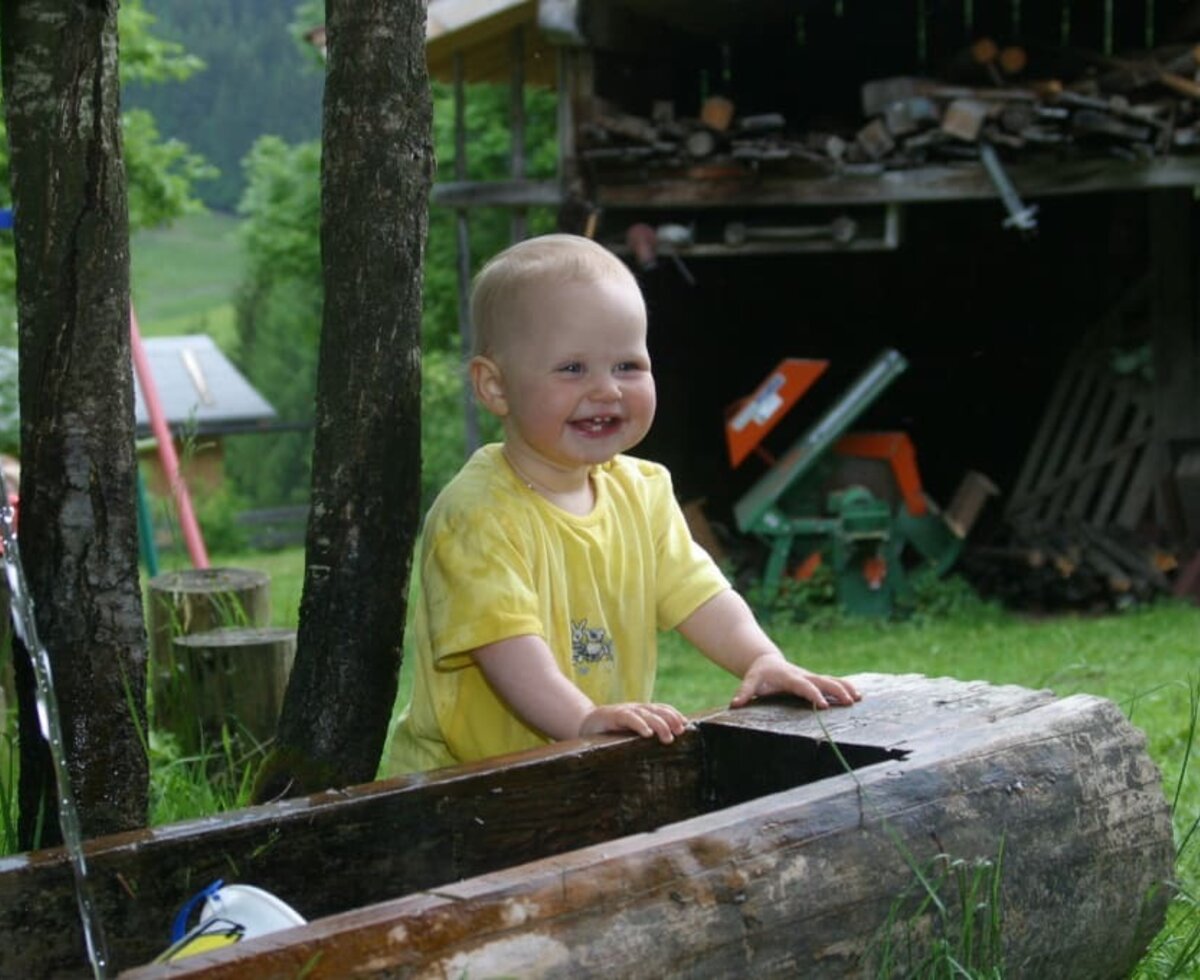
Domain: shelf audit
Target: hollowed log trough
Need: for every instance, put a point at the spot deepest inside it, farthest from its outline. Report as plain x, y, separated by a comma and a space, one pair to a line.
767, 841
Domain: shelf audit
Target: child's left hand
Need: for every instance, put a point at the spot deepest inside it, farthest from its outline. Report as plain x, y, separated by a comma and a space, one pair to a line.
772, 674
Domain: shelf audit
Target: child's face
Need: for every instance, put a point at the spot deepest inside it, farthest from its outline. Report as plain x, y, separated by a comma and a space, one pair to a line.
575, 372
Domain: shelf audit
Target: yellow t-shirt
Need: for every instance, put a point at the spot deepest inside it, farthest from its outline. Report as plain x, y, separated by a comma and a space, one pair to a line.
498, 561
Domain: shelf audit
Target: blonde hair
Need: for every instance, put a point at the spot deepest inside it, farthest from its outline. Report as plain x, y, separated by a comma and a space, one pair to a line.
547, 258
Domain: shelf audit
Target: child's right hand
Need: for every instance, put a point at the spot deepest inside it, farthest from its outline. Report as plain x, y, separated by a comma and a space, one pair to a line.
659, 721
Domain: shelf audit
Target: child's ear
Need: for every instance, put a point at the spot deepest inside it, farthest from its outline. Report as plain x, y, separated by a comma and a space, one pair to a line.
488, 384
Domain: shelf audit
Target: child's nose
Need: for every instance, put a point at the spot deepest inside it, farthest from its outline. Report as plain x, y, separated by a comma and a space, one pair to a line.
607, 388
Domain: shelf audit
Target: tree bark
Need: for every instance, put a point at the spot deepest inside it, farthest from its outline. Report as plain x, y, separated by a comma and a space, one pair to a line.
78, 512
377, 169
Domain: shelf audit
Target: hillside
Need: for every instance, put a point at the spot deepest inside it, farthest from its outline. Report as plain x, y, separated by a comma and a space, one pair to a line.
257, 81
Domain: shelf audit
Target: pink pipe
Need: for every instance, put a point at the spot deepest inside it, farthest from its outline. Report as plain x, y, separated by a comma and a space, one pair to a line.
166, 448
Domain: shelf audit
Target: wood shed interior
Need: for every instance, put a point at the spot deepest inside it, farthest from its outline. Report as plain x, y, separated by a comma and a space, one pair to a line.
1047, 312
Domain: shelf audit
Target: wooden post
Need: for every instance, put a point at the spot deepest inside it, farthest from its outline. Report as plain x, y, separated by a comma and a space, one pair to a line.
195, 600
462, 231
235, 676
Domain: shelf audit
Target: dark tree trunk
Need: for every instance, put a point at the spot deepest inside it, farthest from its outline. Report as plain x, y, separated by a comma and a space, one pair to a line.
377, 168
78, 486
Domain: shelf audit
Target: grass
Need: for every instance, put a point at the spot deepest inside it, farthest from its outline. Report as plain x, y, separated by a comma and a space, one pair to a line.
184, 277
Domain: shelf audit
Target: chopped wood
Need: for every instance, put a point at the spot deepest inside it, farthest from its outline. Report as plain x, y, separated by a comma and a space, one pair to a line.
1132, 108
717, 113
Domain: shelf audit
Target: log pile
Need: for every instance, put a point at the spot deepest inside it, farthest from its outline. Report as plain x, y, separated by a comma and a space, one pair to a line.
1076, 566
1133, 108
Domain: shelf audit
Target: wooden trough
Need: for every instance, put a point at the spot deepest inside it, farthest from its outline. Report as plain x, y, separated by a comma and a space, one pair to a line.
744, 849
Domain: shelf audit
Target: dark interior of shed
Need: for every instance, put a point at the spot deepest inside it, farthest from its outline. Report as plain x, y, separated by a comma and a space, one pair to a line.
983, 317
984, 314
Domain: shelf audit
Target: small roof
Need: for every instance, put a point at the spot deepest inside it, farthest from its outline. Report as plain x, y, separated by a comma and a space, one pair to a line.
482, 31
199, 389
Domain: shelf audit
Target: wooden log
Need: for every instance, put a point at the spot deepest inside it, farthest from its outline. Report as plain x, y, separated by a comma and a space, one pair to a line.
621, 857
195, 600
233, 676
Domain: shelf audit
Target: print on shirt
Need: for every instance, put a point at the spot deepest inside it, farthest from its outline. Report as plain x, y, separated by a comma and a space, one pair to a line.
589, 646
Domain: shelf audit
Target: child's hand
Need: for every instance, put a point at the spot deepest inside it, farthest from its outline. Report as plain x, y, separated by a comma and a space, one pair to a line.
659, 721
771, 674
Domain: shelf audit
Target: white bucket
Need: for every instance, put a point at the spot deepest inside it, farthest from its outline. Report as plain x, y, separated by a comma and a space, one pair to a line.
230, 914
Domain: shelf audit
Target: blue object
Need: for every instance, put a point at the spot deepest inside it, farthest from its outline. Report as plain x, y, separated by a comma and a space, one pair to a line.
6, 218
179, 926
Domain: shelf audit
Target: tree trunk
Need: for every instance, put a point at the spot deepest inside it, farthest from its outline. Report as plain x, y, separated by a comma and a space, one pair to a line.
78, 477
377, 169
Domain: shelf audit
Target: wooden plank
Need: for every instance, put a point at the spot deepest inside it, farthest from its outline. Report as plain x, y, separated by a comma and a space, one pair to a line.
497, 193
1082, 383
1084, 444
1119, 456
1153, 466
1035, 458
799, 883
966, 181
1140, 430
344, 849
1118, 408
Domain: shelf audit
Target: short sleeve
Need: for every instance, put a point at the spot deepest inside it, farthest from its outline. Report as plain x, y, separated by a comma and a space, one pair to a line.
476, 585
687, 575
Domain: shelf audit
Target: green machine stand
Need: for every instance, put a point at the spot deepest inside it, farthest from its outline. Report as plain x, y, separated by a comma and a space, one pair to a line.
799, 508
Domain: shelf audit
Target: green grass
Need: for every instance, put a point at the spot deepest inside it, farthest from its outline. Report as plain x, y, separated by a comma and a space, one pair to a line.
184, 277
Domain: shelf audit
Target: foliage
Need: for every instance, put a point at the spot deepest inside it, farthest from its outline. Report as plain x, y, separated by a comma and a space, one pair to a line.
215, 780
947, 924
813, 601
258, 81
160, 173
279, 317
279, 306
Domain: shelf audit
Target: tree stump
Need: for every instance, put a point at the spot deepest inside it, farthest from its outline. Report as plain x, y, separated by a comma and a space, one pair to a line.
234, 676
195, 600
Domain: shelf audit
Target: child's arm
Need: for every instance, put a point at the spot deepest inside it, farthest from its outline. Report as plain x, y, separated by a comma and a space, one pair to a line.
725, 630
523, 672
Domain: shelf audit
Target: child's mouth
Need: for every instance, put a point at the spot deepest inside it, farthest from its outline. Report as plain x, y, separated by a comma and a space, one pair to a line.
597, 425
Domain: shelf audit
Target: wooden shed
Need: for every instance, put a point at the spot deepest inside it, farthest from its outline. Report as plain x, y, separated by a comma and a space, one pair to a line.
205, 399
1017, 180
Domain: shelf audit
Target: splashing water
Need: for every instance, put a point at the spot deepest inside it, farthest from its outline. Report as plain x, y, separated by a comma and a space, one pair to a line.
51, 726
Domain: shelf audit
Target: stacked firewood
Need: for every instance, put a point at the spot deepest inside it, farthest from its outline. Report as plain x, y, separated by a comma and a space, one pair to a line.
1077, 567
1131, 108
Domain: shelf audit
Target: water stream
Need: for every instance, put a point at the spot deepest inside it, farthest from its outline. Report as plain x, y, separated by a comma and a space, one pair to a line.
51, 726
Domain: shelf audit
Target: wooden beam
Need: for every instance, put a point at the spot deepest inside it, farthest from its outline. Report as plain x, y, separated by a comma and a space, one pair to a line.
967, 181
497, 194
462, 231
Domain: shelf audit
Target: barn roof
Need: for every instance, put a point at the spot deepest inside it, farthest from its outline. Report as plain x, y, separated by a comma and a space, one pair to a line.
200, 389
